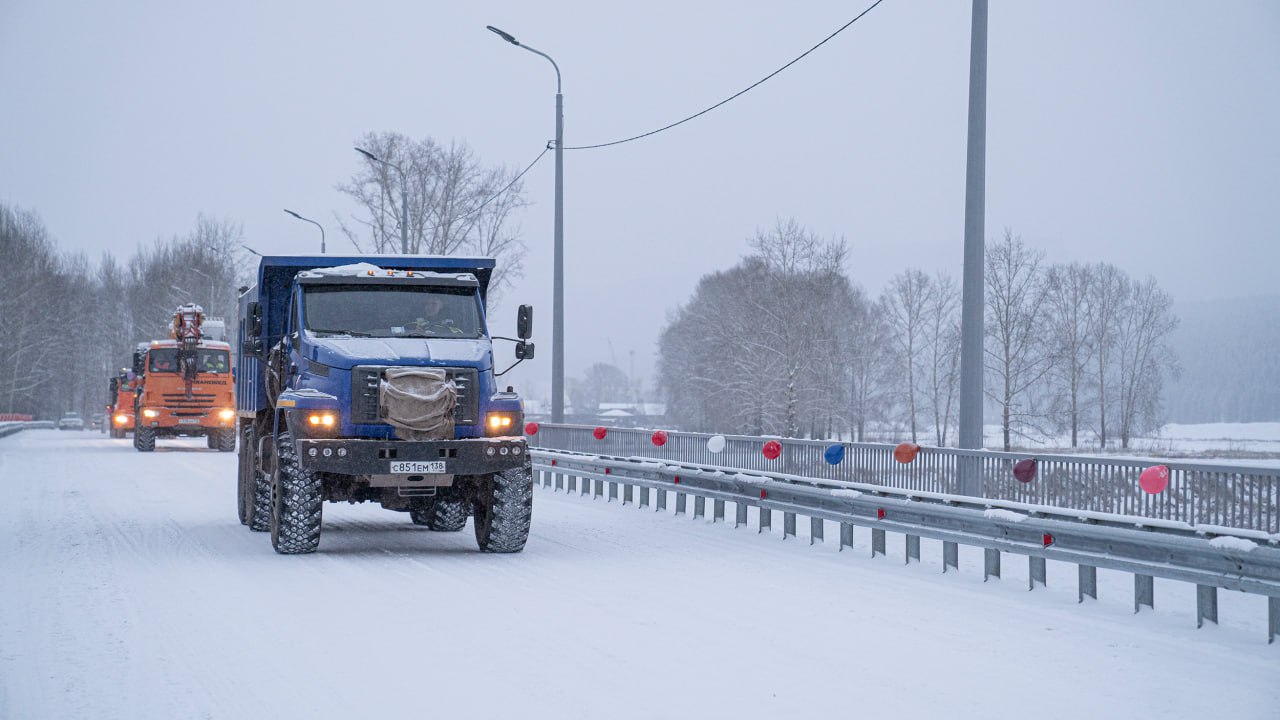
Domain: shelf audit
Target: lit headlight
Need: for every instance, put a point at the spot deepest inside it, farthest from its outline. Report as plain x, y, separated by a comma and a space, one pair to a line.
226, 415
149, 413
324, 420
122, 419
501, 423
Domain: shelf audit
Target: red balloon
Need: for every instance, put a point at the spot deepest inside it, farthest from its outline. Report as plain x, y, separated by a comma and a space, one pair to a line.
599, 433
905, 452
772, 449
1025, 470
1154, 479
531, 428
659, 438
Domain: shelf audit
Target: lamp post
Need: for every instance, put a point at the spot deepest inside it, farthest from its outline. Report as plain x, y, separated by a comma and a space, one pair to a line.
404, 198
557, 317
313, 222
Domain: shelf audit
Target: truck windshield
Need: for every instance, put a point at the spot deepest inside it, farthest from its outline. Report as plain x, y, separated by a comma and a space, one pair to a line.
393, 311
164, 360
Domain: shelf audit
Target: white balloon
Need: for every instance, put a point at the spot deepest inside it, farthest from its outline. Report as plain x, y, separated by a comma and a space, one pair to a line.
716, 443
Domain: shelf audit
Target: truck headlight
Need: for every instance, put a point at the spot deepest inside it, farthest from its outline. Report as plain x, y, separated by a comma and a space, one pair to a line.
122, 419
149, 413
226, 415
501, 423
323, 420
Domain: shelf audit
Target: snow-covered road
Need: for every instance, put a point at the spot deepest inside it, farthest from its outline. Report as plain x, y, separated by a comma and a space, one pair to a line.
130, 590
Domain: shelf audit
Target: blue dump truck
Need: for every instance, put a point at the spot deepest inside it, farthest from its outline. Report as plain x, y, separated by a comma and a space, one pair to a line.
372, 379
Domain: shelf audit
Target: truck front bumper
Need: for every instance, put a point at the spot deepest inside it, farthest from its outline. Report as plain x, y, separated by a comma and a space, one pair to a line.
471, 456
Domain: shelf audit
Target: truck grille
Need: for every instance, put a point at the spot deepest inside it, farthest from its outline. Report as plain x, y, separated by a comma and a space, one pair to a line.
179, 401
364, 394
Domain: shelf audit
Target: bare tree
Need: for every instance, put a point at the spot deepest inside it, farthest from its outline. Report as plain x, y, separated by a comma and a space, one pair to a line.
1015, 356
1143, 358
1069, 316
906, 301
872, 369
1107, 293
942, 354
600, 383
454, 204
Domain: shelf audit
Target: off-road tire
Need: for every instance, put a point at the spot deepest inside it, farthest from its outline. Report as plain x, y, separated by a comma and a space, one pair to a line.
144, 439
209, 439
245, 478
224, 440
504, 509
441, 515
296, 503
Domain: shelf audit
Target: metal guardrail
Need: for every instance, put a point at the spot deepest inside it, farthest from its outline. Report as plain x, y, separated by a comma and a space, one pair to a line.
1146, 548
1206, 496
10, 428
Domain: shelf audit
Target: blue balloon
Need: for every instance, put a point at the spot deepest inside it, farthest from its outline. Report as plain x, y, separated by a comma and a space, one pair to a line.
834, 454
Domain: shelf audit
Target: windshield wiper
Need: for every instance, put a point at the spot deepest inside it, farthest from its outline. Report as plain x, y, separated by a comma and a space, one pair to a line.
350, 333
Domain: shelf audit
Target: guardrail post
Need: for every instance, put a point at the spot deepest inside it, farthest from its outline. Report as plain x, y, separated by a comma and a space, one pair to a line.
788, 525
990, 564
877, 541
644, 496
815, 530
1037, 573
846, 535
1206, 604
680, 503
1273, 619
613, 491
1144, 592
740, 515
559, 481
913, 548
586, 486
950, 556
699, 506
659, 499
766, 519
717, 510
627, 496
597, 488
572, 483
1088, 582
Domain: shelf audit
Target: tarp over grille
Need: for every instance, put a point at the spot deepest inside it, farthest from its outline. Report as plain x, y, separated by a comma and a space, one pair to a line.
418, 402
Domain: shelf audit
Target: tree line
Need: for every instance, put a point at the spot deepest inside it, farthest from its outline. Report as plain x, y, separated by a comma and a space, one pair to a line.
783, 343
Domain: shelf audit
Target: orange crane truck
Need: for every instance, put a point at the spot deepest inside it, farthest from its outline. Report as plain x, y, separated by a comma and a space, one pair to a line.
122, 390
187, 388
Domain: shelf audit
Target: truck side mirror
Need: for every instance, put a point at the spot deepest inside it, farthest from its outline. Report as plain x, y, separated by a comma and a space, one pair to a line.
139, 362
524, 322
524, 351
255, 318
252, 347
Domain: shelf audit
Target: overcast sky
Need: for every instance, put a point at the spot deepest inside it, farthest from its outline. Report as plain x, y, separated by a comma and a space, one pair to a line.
1145, 134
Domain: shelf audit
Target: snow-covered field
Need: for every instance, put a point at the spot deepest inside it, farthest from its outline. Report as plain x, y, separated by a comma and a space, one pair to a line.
130, 590
1259, 440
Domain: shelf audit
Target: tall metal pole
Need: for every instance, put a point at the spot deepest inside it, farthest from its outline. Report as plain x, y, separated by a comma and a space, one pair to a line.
557, 311
404, 213
304, 219
557, 329
971, 330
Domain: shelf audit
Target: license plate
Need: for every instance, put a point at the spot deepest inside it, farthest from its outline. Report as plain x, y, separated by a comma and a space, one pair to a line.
414, 467
188, 421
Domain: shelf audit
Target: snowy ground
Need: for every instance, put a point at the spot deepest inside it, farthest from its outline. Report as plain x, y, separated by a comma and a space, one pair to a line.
130, 590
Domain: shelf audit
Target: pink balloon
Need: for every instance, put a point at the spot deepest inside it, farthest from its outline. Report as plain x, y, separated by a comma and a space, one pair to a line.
659, 438
1154, 479
1025, 470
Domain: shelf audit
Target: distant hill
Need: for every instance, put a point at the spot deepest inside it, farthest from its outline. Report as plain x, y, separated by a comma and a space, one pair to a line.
1230, 356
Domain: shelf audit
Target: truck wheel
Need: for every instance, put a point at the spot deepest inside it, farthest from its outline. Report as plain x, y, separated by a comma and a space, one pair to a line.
504, 509
441, 515
245, 479
296, 503
224, 440
208, 439
144, 439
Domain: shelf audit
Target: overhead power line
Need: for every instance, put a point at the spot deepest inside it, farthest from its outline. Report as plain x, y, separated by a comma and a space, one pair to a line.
744, 91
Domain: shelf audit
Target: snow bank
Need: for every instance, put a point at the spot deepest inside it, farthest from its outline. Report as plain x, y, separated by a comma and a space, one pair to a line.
1233, 544
1006, 515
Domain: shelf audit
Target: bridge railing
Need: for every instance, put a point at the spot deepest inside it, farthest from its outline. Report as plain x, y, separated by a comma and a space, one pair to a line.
1205, 495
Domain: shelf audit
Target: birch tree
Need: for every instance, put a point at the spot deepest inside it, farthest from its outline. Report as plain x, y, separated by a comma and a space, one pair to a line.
1015, 357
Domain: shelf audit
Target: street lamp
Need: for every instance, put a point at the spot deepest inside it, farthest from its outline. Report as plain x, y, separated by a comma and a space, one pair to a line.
313, 222
557, 318
404, 198
212, 285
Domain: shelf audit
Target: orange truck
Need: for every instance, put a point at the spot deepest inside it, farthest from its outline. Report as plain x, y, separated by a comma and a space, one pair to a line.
123, 392
187, 387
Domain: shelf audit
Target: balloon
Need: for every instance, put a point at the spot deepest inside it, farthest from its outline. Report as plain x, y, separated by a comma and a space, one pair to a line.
715, 443
833, 454
1025, 470
1154, 479
599, 433
531, 428
659, 438
772, 449
905, 452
